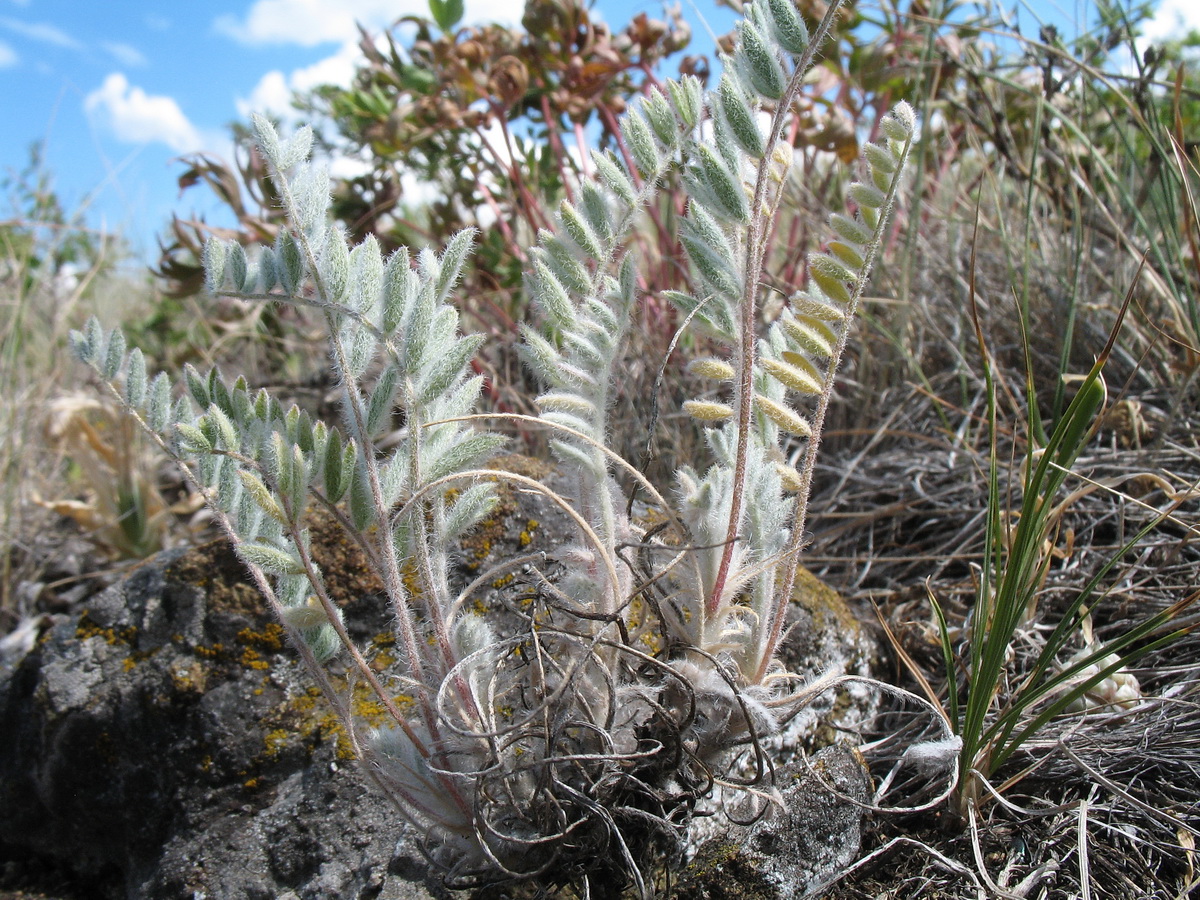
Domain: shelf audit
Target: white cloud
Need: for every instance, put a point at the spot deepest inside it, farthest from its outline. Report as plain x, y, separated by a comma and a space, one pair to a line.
128, 56
312, 22
140, 118
1172, 19
273, 93
42, 32
8, 56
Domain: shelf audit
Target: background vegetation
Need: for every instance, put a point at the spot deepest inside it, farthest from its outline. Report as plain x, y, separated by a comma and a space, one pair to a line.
1052, 218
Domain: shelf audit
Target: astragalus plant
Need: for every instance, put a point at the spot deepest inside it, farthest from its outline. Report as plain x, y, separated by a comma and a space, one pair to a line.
566, 741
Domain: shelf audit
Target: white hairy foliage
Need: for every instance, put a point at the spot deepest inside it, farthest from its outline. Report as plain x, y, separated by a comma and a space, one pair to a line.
395, 347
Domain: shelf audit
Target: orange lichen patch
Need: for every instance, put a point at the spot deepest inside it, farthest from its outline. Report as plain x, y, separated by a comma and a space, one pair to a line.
383, 660
411, 579
304, 722
643, 626
252, 660
213, 652
502, 582
276, 740
270, 638
87, 628
526, 536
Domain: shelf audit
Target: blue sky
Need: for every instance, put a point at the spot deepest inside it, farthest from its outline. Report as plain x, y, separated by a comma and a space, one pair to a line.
117, 90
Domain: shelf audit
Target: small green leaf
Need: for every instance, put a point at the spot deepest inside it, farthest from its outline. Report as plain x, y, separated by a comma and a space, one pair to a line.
581, 232
784, 416
135, 379
457, 251
463, 454
448, 368
114, 355
271, 560
766, 74
641, 144
540, 355
238, 268
551, 296
880, 158
256, 489
788, 26
564, 264
382, 401
740, 114
662, 118
446, 13
268, 274
688, 97
193, 439
366, 275
160, 402
214, 264
798, 374
335, 265
614, 178
866, 195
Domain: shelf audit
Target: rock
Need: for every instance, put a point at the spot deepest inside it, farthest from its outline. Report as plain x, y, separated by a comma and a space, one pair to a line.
165, 743
794, 851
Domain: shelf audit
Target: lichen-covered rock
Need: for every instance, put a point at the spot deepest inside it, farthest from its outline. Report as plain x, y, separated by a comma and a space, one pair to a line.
163, 742
793, 850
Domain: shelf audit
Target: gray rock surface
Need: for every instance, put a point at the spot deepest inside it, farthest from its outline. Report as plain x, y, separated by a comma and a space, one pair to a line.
794, 851
163, 744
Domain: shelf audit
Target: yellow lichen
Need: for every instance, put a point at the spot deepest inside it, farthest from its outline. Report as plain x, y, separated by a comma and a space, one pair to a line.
251, 659
269, 639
